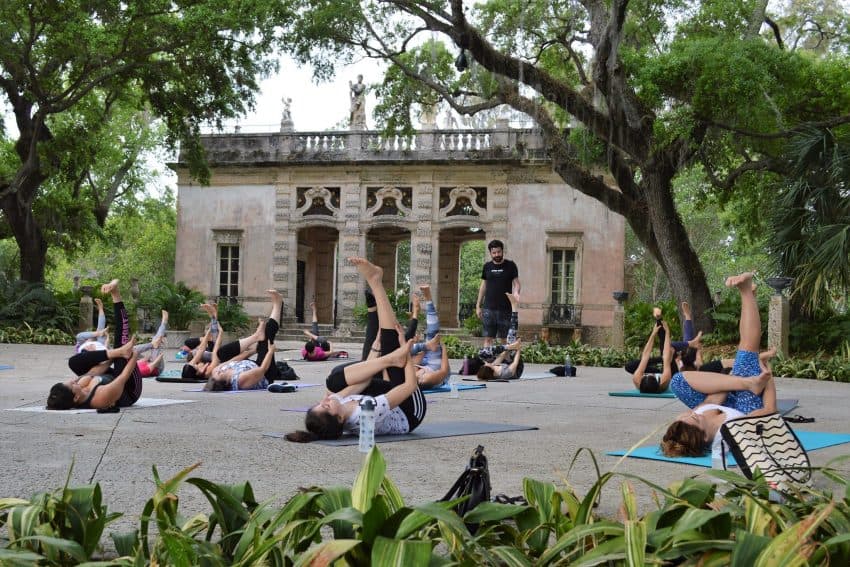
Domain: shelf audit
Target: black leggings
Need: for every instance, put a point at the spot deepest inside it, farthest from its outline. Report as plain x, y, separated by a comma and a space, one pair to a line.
263, 347
84, 361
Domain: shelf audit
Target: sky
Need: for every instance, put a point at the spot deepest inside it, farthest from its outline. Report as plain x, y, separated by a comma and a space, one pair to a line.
314, 107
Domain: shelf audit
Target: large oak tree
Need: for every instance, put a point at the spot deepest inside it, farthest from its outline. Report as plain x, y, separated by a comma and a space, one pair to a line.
183, 62
658, 86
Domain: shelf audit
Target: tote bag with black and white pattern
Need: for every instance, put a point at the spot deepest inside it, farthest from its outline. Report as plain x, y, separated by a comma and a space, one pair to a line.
768, 444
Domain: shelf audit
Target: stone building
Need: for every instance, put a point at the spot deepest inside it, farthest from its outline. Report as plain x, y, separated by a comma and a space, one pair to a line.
285, 209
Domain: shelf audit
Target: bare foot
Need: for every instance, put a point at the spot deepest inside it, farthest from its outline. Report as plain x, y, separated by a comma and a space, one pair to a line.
109, 287
164, 316
515, 345
399, 356
275, 295
768, 354
99, 303
370, 272
426, 292
125, 350
757, 385
211, 309
656, 312
313, 305
741, 281
686, 310
512, 297
102, 332
696, 342
434, 343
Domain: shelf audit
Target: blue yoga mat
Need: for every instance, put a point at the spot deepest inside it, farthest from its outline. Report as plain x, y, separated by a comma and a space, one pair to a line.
6, 367
811, 440
639, 394
446, 388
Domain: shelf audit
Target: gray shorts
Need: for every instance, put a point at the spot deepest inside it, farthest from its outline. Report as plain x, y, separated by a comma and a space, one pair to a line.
495, 323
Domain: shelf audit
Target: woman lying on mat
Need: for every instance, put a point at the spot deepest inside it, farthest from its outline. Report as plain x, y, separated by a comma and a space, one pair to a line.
205, 361
106, 378
695, 432
238, 373
655, 382
751, 376
504, 363
97, 339
151, 360
317, 347
430, 357
387, 375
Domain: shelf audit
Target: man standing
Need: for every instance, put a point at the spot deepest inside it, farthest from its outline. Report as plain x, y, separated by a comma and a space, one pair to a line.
499, 276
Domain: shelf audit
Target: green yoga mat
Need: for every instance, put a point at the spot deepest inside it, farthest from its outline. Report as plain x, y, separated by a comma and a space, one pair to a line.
811, 440
428, 431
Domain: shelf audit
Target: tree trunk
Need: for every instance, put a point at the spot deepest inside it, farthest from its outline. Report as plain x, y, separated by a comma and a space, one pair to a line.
676, 255
29, 237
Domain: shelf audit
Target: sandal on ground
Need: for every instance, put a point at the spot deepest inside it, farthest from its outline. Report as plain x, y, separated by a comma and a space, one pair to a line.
798, 419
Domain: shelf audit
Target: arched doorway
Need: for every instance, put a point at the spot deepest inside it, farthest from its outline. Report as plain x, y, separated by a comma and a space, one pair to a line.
453, 305
388, 246
316, 272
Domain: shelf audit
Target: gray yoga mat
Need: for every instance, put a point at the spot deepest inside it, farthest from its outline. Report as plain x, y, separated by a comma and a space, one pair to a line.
429, 431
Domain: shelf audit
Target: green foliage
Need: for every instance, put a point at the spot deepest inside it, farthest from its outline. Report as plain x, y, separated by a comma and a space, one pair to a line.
639, 321
232, 316
137, 242
34, 305
542, 353
810, 225
55, 528
39, 336
472, 325
181, 302
692, 523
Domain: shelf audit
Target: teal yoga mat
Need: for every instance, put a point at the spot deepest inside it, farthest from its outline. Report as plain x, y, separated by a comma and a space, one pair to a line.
446, 388
428, 431
639, 394
811, 440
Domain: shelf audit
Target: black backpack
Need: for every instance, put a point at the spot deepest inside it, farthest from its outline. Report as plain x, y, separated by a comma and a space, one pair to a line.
474, 482
285, 372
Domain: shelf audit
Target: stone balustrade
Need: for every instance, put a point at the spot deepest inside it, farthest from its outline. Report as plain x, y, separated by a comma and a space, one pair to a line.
497, 144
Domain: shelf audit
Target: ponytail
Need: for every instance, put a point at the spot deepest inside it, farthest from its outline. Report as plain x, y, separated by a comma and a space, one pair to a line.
300, 437
319, 425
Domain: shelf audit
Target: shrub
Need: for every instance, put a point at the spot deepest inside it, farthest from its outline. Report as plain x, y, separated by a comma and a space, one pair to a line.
181, 302
639, 320
22, 302
370, 524
232, 316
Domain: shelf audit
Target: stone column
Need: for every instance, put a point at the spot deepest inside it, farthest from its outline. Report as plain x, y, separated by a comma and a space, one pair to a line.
423, 255
351, 243
778, 323
618, 327
285, 256
86, 309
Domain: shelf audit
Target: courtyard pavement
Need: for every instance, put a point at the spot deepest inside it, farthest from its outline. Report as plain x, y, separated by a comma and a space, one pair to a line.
224, 432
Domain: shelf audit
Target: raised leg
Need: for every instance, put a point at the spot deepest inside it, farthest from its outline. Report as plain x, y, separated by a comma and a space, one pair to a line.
750, 322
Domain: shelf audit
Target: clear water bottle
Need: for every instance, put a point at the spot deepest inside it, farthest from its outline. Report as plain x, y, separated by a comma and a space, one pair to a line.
568, 366
453, 391
367, 424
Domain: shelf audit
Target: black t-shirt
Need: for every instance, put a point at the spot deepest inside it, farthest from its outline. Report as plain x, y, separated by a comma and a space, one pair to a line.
499, 278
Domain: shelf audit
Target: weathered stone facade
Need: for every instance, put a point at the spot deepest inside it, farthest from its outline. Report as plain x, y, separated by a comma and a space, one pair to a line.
294, 205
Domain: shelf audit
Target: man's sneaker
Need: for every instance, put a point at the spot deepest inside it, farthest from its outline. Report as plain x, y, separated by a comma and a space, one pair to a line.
281, 388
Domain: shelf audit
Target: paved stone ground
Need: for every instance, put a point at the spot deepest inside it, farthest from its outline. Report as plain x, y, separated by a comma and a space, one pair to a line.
223, 432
